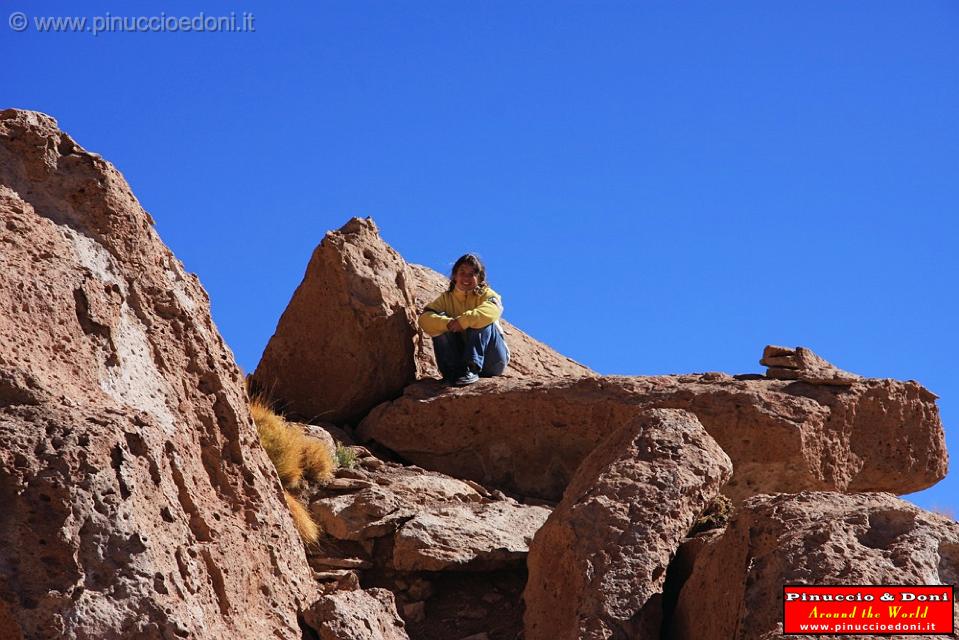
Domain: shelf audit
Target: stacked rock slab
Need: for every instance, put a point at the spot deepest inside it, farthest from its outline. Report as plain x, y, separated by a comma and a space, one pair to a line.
453, 553
529, 436
349, 339
136, 501
430, 522
784, 363
735, 590
597, 566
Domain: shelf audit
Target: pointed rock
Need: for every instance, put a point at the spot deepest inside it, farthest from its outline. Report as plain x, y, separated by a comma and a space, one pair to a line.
597, 566
347, 340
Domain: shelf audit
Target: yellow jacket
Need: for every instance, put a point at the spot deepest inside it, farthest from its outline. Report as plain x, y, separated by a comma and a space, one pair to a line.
474, 311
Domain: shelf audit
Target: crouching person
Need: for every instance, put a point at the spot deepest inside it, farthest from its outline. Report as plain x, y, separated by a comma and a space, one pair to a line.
464, 324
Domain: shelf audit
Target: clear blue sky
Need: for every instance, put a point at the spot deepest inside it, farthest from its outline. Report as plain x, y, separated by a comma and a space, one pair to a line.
657, 187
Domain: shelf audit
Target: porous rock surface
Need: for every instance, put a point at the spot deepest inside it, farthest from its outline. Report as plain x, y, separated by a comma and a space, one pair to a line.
136, 501
529, 436
598, 565
824, 538
368, 614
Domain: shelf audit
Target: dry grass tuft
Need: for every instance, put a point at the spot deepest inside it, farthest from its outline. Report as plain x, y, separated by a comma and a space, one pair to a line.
282, 441
295, 456
308, 529
318, 461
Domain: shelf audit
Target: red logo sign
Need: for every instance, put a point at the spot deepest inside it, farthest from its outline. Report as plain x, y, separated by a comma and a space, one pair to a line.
869, 609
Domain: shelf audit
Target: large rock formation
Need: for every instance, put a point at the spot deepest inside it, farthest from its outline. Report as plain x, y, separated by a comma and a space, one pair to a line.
138, 503
349, 338
735, 590
597, 566
136, 499
529, 436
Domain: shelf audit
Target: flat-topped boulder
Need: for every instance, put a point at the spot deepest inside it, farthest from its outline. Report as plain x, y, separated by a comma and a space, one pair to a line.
529, 436
736, 586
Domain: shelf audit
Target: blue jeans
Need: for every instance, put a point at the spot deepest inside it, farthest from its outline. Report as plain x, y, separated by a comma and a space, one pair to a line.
483, 350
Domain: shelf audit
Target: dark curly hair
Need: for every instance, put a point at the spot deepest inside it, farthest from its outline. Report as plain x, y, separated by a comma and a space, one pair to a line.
472, 260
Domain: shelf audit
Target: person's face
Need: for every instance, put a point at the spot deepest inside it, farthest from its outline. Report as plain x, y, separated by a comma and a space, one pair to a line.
465, 278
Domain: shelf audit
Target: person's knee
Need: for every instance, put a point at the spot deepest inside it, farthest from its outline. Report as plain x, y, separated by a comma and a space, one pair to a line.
485, 332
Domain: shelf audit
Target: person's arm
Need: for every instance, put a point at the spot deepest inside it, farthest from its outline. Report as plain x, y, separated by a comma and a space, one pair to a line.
486, 312
434, 318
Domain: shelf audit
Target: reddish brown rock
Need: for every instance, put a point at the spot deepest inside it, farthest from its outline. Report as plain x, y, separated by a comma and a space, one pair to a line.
433, 522
479, 536
597, 567
347, 340
735, 590
357, 615
529, 436
453, 553
802, 364
136, 499
529, 358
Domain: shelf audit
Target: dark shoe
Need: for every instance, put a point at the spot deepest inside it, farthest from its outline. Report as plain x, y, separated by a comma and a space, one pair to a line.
467, 378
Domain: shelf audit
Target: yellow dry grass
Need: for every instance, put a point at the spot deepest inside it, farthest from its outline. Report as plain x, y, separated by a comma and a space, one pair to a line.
317, 460
308, 529
293, 453
295, 456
